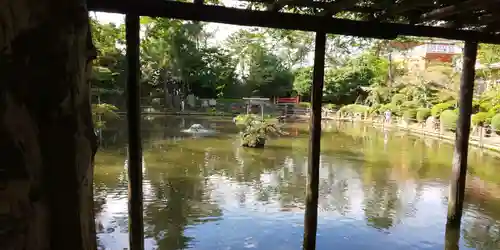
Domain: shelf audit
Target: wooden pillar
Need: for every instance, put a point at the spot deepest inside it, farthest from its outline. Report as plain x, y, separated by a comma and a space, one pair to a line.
311, 214
459, 172
136, 227
452, 238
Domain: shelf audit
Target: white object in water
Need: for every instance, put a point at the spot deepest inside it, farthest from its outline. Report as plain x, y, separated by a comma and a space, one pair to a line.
143, 165
198, 129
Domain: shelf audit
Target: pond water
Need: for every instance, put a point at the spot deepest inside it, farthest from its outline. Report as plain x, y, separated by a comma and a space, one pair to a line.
378, 190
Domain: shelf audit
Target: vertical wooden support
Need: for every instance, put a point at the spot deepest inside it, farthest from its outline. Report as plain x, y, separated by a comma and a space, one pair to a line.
459, 172
311, 214
136, 227
452, 238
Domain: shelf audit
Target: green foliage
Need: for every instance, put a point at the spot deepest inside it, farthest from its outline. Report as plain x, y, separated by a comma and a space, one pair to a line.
395, 110
353, 109
481, 118
440, 107
375, 109
398, 99
102, 113
330, 106
495, 122
256, 131
409, 115
448, 119
305, 104
302, 81
410, 104
423, 114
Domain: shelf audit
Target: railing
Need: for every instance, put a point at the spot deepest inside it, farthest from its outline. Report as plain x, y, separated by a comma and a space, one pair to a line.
480, 136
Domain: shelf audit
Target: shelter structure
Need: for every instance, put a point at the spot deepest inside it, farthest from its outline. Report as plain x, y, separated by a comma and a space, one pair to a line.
59, 27
261, 102
472, 21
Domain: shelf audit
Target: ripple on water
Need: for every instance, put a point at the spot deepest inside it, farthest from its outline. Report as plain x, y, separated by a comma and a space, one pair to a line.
374, 193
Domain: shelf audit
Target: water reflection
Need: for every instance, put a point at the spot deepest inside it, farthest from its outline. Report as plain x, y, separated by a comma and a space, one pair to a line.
378, 190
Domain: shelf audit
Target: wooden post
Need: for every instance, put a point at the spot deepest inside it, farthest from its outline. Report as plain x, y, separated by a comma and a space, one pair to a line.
136, 227
457, 185
311, 213
452, 238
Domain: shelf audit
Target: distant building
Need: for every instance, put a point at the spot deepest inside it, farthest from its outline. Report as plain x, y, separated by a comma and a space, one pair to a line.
417, 55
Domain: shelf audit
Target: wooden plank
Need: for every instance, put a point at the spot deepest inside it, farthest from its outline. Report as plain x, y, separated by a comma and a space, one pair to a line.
459, 172
468, 5
311, 213
219, 14
136, 230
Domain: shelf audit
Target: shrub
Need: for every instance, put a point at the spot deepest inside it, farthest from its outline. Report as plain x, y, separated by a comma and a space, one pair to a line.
304, 104
410, 104
409, 115
398, 99
391, 107
448, 119
440, 107
495, 122
354, 108
481, 118
256, 132
374, 109
330, 106
423, 114
103, 112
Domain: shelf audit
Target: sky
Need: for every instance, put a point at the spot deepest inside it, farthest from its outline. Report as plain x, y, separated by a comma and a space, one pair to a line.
221, 31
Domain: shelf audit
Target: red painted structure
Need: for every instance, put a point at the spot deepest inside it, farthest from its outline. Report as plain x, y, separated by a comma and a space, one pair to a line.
288, 99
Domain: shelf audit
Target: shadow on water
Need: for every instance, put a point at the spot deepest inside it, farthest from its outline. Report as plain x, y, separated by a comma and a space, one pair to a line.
378, 190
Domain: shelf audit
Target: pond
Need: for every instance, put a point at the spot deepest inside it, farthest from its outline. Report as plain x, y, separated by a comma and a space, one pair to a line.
378, 190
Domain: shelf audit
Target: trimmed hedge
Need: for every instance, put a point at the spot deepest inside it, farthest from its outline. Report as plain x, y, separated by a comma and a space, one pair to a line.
409, 115
481, 118
440, 107
495, 122
423, 114
448, 119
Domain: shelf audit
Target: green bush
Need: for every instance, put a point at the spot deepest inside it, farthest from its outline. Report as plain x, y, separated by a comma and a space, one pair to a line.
440, 107
448, 119
330, 106
304, 104
495, 122
410, 104
423, 114
409, 115
481, 118
354, 108
391, 107
374, 109
102, 113
398, 99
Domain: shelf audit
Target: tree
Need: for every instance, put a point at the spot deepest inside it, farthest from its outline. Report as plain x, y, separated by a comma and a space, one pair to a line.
46, 128
302, 81
107, 77
267, 76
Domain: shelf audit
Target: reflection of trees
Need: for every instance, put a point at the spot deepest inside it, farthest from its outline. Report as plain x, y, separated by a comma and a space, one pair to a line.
391, 182
482, 233
180, 198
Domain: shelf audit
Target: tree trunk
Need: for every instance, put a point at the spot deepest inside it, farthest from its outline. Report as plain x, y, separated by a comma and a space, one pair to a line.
47, 140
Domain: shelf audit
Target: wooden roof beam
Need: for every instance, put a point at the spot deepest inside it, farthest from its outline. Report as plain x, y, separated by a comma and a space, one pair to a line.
447, 11
219, 14
315, 4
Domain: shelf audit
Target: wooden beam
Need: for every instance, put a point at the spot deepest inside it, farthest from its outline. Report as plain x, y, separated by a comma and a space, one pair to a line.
218, 14
316, 4
136, 230
457, 185
311, 213
468, 5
